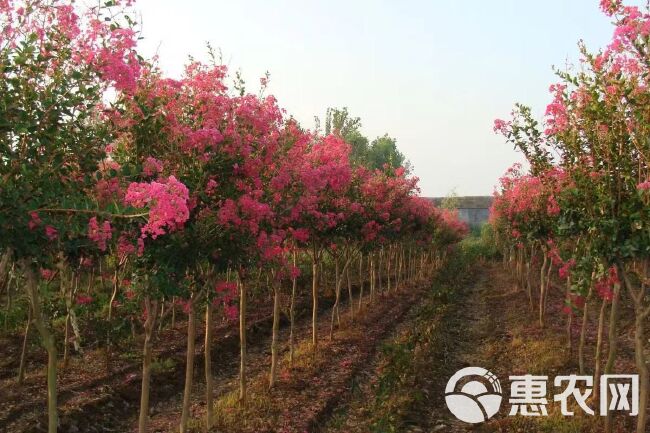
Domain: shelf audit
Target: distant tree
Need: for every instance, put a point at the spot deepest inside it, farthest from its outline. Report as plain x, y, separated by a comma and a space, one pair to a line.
339, 122
383, 150
451, 201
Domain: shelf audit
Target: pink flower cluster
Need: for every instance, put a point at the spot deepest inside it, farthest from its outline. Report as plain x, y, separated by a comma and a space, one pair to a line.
557, 115
644, 186
167, 200
99, 234
152, 166
227, 292
604, 286
83, 299
34, 220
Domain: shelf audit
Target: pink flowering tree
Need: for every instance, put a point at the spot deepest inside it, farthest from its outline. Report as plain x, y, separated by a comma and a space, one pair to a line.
317, 177
596, 125
57, 63
224, 148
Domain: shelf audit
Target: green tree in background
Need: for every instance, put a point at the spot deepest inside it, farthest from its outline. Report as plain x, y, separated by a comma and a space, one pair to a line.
382, 150
451, 200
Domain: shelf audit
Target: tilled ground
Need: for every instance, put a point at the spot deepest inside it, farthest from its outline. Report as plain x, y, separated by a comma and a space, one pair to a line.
485, 323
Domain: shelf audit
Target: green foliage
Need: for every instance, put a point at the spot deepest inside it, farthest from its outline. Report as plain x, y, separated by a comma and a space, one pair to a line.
382, 151
451, 201
373, 155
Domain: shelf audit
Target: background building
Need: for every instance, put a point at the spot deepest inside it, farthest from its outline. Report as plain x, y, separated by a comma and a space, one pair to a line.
474, 210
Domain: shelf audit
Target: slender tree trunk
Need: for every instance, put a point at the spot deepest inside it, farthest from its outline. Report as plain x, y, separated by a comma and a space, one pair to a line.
151, 308
569, 322
274, 340
347, 273
314, 296
388, 263
209, 398
583, 332
66, 337
599, 350
189, 364
10, 278
613, 346
371, 268
642, 369
162, 314
379, 275
23, 353
109, 320
292, 312
613, 331
31, 285
541, 290
360, 281
173, 322
547, 284
116, 285
242, 340
337, 292
529, 285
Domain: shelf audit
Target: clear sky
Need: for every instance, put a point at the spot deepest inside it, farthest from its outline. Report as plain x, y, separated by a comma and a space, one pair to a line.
434, 74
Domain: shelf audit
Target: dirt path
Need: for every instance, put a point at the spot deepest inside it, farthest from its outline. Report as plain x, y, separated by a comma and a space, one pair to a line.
479, 319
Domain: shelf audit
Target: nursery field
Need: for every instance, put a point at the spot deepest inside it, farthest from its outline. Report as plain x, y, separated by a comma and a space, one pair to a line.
180, 253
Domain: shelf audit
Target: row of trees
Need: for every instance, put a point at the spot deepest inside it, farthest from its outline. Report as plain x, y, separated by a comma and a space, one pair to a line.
581, 211
179, 189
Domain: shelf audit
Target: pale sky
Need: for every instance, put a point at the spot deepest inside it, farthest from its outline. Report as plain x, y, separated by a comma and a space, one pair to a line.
433, 74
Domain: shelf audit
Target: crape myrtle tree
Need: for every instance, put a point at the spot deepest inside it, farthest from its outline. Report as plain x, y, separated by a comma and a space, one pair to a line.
597, 128
179, 188
57, 63
225, 147
322, 174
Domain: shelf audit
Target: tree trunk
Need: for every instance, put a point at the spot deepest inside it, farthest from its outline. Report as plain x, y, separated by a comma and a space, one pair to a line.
173, 324
31, 285
274, 339
583, 332
116, 285
151, 308
642, 367
292, 312
541, 290
109, 320
66, 337
337, 292
360, 281
569, 322
23, 353
189, 364
314, 296
371, 269
242, 340
599, 345
388, 263
347, 273
529, 285
208, 366
613, 346
379, 275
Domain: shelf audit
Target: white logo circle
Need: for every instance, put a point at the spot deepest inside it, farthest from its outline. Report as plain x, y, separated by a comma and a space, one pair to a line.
479, 397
